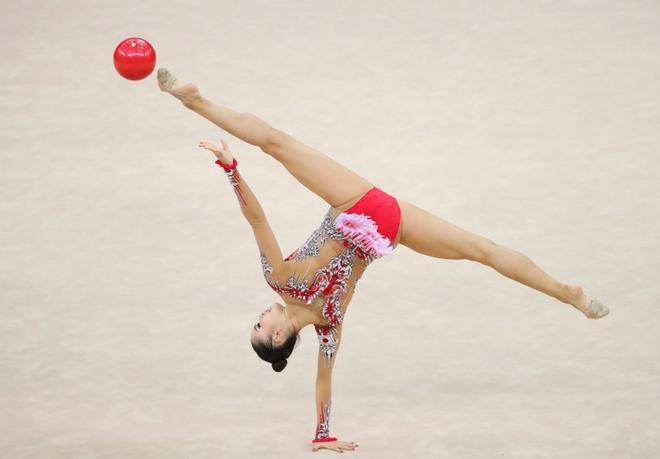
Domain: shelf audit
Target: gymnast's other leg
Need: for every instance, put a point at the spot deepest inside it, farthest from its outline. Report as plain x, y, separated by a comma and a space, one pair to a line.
431, 235
336, 184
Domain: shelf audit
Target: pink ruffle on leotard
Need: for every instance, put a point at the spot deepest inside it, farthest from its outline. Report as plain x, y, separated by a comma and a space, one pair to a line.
363, 231
371, 224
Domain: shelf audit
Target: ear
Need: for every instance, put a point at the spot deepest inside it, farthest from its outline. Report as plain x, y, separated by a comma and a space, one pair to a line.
278, 336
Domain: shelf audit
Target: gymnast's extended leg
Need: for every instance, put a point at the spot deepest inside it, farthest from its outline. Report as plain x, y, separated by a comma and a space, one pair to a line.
422, 231
431, 235
332, 181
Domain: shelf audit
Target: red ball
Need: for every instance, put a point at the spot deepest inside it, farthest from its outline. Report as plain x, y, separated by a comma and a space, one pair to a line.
134, 58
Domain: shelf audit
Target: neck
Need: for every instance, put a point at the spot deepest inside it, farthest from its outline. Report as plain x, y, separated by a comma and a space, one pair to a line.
299, 316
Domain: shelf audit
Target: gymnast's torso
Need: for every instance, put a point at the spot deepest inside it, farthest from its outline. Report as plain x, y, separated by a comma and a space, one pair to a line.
322, 273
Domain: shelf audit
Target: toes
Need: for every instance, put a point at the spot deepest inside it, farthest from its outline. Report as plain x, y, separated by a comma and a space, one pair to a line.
162, 76
602, 310
596, 309
165, 78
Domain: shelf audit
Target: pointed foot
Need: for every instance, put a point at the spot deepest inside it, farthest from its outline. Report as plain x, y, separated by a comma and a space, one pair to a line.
166, 79
596, 310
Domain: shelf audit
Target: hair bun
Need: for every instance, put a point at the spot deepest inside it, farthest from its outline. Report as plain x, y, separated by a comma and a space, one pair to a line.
279, 366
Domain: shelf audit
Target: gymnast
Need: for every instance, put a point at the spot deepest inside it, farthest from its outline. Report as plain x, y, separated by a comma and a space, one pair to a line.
317, 280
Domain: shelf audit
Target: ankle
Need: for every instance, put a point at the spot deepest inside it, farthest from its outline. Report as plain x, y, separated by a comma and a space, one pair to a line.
567, 294
193, 102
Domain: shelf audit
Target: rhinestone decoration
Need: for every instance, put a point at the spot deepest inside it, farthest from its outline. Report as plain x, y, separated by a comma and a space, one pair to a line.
235, 181
330, 281
327, 341
323, 429
312, 246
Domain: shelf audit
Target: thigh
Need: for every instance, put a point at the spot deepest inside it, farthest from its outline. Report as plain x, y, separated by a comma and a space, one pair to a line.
333, 182
431, 235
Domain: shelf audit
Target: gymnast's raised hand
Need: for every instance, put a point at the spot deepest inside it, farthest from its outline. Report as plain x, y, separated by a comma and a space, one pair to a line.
221, 152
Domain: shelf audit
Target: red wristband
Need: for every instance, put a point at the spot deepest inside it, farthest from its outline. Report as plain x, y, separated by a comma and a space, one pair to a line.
227, 166
319, 440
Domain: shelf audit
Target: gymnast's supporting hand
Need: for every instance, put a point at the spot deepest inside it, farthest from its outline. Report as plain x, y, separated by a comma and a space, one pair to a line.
336, 445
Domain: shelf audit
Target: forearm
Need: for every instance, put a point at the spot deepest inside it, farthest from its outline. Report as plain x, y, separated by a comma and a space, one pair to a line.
323, 404
250, 206
245, 126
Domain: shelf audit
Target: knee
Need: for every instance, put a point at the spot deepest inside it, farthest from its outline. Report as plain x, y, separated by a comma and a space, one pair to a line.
274, 143
482, 251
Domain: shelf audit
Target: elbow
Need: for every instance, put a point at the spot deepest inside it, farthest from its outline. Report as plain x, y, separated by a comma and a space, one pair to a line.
324, 377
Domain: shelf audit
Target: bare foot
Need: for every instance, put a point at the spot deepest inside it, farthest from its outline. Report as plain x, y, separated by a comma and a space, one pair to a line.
187, 93
591, 308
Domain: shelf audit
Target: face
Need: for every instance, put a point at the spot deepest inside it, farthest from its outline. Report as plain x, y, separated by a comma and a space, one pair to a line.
267, 322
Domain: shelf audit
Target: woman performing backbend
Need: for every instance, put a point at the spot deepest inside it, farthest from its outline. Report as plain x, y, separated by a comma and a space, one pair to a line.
317, 281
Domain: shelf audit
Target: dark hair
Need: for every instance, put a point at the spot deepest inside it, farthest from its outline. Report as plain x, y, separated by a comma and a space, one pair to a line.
276, 355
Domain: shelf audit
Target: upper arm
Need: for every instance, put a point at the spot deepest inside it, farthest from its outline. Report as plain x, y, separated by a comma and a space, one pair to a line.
268, 245
274, 268
329, 340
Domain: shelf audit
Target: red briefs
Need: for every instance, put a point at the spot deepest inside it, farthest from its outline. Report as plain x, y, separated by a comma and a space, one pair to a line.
372, 223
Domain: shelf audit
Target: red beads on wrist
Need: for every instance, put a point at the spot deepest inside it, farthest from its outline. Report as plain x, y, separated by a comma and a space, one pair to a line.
319, 440
227, 166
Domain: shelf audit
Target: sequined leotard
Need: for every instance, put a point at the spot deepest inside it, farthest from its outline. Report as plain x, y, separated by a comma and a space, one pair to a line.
349, 241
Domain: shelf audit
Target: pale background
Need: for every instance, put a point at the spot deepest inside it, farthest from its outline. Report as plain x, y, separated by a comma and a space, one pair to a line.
130, 281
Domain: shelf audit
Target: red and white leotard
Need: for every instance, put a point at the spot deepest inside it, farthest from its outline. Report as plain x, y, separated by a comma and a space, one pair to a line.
356, 237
